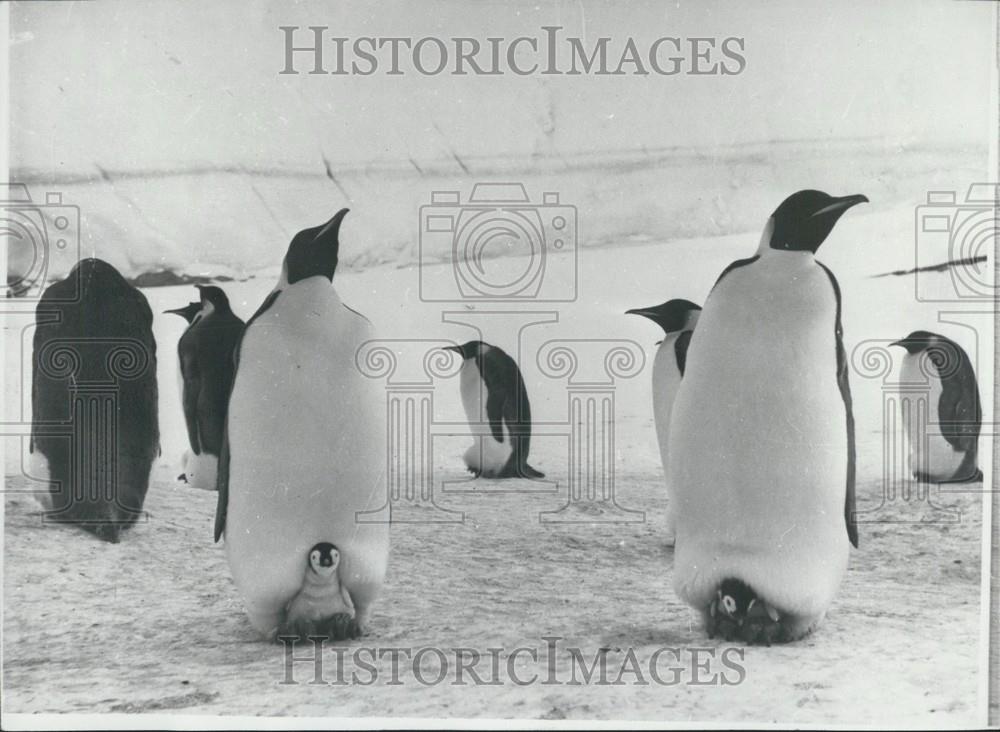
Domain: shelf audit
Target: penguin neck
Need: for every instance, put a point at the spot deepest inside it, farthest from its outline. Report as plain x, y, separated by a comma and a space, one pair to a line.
316, 289
207, 309
692, 320
315, 586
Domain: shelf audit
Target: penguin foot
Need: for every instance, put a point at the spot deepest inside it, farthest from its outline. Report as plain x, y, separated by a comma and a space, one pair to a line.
530, 473
182, 478
475, 472
921, 477
762, 625
340, 626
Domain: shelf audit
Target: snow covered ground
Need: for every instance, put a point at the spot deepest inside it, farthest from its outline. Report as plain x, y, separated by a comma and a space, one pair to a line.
154, 624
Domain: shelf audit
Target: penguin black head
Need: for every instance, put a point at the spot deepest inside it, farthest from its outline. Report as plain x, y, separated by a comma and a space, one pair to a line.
734, 598
314, 251
673, 315
188, 312
803, 220
324, 558
917, 341
215, 296
469, 349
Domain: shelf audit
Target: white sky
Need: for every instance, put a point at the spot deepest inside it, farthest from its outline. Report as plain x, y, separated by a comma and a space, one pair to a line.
137, 85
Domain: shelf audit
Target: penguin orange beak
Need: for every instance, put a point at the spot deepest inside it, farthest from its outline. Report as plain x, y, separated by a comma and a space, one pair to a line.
175, 311
456, 349
841, 204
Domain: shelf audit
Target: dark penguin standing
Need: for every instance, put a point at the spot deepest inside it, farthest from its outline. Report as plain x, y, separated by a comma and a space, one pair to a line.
678, 319
205, 352
86, 348
949, 453
763, 431
489, 374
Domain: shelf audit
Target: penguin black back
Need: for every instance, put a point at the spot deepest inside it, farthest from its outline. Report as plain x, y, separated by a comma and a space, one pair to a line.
206, 357
102, 340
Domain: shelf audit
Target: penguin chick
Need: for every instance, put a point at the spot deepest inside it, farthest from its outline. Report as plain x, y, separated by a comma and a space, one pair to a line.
737, 613
323, 607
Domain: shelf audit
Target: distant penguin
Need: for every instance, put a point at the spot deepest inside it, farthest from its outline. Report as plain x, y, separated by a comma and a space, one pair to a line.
205, 354
677, 318
951, 447
493, 392
88, 349
304, 455
763, 418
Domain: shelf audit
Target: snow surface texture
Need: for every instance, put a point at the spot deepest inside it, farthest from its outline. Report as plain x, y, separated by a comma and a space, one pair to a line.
155, 623
234, 222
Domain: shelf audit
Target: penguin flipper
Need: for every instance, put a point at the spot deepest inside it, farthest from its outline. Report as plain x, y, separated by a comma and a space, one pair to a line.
681, 349
222, 475
529, 472
960, 412
850, 502
222, 486
192, 388
495, 401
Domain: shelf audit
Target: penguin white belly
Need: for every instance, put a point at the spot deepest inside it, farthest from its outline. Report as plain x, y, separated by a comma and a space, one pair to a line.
761, 425
485, 454
930, 452
666, 382
307, 454
201, 471
38, 468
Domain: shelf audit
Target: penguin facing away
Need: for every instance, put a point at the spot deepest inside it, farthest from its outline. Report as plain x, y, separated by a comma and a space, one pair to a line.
304, 452
493, 392
950, 454
205, 355
678, 318
108, 330
763, 418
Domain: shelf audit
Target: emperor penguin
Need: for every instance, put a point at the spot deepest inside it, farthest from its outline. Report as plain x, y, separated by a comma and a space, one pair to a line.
491, 379
763, 418
94, 430
205, 355
948, 452
678, 318
304, 457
